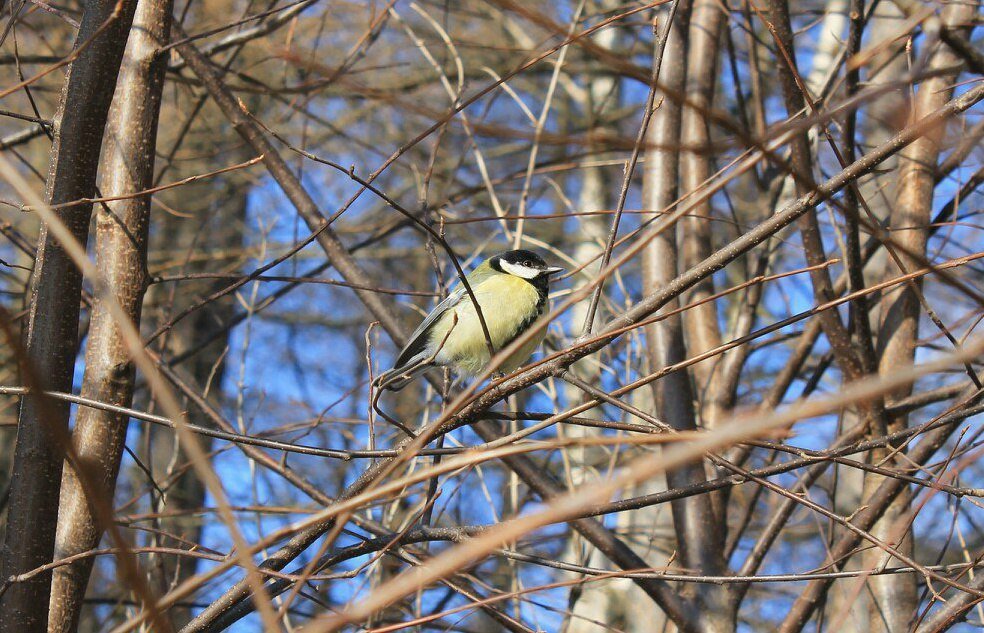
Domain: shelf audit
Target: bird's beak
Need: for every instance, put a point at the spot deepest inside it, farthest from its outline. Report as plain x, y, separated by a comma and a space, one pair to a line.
553, 270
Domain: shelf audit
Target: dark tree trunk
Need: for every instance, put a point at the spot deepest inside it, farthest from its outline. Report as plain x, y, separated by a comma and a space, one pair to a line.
51, 337
121, 253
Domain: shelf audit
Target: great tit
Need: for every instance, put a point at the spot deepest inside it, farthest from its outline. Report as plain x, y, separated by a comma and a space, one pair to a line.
511, 289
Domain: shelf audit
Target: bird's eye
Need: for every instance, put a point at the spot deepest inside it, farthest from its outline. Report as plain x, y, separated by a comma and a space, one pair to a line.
528, 264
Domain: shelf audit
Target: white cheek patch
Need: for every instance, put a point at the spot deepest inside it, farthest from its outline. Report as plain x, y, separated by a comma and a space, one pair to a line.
519, 270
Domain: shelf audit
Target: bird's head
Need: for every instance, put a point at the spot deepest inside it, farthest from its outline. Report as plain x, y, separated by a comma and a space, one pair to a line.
522, 263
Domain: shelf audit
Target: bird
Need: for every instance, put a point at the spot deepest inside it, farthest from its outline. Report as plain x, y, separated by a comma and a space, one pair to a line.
511, 289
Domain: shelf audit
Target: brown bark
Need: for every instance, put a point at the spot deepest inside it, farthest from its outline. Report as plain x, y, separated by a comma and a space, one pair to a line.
699, 544
701, 322
52, 327
121, 252
894, 599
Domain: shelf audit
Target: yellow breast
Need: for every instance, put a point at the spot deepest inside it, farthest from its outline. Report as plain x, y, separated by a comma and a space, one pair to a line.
507, 302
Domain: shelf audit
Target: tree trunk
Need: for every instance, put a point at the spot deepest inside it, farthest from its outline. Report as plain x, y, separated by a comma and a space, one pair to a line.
894, 599
51, 337
121, 252
592, 602
218, 210
701, 323
699, 544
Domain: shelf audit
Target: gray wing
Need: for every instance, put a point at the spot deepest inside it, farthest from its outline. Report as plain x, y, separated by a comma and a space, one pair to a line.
418, 340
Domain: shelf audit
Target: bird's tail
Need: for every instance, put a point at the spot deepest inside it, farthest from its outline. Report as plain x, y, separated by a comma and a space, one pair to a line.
399, 377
